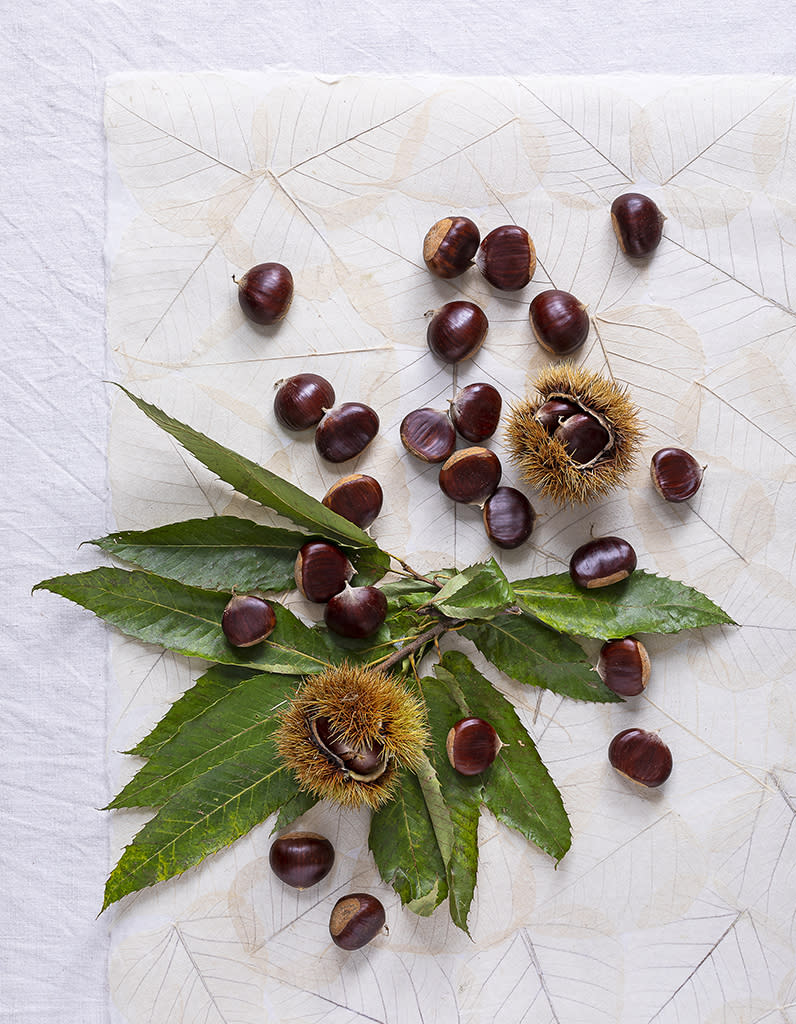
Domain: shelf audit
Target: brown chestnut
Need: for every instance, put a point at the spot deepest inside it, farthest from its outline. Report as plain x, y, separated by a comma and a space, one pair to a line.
456, 330
560, 322
471, 475
472, 745
356, 612
356, 497
301, 859
624, 666
428, 434
554, 411
356, 920
450, 245
638, 223
346, 431
507, 257
321, 570
641, 756
265, 292
475, 412
364, 763
247, 620
583, 436
301, 401
601, 562
676, 474
508, 517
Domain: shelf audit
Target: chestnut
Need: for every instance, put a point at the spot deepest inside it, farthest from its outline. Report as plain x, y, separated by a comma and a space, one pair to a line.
265, 292
560, 322
355, 920
356, 612
471, 475
247, 620
346, 431
641, 756
428, 434
475, 412
554, 411
321, 570
450, 245
508, 517
363, 763
456, 330
356, 497
301, 401
507, 257
601, 562
583, 436
472, 745
637, 222
624, 666
301, 859
676, 474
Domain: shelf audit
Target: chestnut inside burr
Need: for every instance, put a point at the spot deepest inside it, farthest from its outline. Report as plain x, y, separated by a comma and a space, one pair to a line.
585, 436
364, 763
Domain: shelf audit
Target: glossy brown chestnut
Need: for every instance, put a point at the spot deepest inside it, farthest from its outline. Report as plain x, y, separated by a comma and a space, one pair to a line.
554, 412
363, 763
301, 859
346, 431
247, 620
356, 920
641, 756
507, 258
471, 475
456, 330
601, 562
583, 436
301, 401
638, 223
321, 570
560, 322
356, 612
356, 497
624, 666
450, 245
475, 412
472, 745
428, 434
676, 474
265, 292
508, 518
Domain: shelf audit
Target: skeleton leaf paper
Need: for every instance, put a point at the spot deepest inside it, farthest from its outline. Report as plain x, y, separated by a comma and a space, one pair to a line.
673, 906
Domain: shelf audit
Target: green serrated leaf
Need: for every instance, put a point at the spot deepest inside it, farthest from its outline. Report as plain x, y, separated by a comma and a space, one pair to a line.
463, 796
529, 652
245, 717
518, 789
297, 805
267, 488
643, 603
206, 691
204, 816
478, 592
405, 848
188, 620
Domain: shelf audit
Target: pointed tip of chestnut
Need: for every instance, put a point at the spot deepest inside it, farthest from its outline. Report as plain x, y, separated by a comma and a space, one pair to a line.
472, 745
676, 474
641, 756
559, 321
301, 859
356, 920
450, 245
265, 292
248, 619
637, 223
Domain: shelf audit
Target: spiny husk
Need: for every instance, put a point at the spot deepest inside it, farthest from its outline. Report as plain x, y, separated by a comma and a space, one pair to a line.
544, 462
363, 705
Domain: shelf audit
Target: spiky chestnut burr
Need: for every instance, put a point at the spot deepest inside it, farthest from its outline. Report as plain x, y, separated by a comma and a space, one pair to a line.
347, 719
545, 460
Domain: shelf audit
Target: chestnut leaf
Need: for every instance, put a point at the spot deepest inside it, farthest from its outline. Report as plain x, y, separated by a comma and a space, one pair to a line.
643, 603
188, 620
480, 591
531, 653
